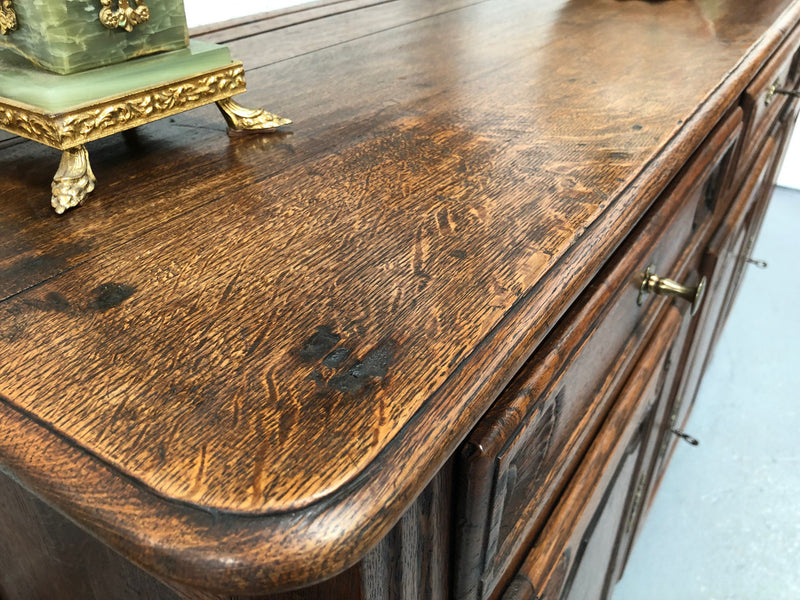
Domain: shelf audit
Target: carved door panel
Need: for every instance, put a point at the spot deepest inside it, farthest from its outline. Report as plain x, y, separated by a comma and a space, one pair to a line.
574, 556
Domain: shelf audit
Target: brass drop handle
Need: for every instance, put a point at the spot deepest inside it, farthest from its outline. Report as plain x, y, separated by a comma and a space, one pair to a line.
775, 89
759, 264
661, 286
686, 437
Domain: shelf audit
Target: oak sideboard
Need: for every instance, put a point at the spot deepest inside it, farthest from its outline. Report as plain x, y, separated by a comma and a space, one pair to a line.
436, 340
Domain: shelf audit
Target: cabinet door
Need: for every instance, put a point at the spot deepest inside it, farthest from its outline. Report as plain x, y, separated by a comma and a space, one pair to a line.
659, 428
574, 556
594, 553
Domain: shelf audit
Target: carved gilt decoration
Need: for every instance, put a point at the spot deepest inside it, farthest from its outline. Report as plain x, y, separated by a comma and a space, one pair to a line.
125, 16
80, 126
71, 129
240, 118
8, 18
73, 181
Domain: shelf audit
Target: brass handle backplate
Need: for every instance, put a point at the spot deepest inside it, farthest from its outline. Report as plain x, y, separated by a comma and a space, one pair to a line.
661, 286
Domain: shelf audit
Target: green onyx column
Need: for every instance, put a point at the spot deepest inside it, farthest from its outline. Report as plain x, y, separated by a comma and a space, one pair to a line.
68, 36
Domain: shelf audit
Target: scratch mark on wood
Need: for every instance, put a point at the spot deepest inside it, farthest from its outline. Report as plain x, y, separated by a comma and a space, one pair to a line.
114, 418
444, 222
259, 339
420, 254
236, 411
263, 442
229, 288
200, 469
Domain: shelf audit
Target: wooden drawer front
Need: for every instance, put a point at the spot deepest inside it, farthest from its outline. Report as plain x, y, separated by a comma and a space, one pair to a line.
519, 457
719, 265
720, 259
761, 107
781, 136
574, 554
645, 484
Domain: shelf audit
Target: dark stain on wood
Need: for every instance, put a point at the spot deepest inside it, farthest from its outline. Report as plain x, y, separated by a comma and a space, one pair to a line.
375, 366
319, 344
28, 269
336, 357
53, 301
110, 295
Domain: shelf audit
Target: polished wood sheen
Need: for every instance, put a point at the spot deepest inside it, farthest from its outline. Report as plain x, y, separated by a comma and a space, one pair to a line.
247, 361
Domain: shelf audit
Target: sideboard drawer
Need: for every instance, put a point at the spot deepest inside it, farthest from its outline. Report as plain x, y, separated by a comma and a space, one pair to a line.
780, 135
722, 262
519, 457
719, 264
574, 555
762, 103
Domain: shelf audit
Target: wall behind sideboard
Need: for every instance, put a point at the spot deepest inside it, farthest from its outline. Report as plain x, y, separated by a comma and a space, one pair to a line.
203, 12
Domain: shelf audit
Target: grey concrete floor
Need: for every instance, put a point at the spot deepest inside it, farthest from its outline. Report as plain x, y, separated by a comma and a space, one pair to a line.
726, 521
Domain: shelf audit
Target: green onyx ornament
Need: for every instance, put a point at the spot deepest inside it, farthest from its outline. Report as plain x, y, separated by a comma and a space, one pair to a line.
69, 37
74, 71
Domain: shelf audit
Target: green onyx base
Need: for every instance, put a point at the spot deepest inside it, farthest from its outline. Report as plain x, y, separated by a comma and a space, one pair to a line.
66, 36
68, 111
24, 83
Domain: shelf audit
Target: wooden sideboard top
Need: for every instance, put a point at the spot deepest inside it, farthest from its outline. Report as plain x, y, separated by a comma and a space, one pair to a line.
244, 356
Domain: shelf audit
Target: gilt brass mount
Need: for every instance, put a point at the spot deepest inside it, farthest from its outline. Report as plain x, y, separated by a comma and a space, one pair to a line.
241, 118
8, 18
73, 181
125, 16
71, 129
652, 283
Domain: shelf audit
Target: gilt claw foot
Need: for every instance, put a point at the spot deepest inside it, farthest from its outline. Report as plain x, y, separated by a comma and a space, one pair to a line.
73, 181
240, 118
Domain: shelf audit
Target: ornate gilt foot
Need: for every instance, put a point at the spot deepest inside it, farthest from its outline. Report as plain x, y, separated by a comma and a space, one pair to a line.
240, 118
73, 181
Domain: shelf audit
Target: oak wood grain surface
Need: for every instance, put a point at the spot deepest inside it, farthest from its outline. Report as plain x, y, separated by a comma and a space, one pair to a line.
246, 356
